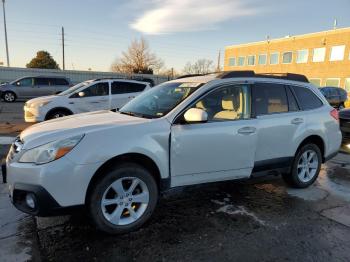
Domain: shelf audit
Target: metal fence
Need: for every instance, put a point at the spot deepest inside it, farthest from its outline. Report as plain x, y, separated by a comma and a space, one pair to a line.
8, 74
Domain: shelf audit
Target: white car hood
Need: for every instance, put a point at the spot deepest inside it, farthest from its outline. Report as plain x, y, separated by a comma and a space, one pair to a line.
41, 99
65, 127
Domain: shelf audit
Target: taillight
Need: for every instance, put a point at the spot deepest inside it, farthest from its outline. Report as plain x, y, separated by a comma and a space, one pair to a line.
335, 114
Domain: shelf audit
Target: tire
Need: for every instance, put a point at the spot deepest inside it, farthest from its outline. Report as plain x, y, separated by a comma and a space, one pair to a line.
9, 97
57, 114
304, 172
110, 211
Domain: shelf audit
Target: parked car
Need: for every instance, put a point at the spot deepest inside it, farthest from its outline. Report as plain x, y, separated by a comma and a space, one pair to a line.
29, 87
183, 132
91, 95
335, 96
344, 120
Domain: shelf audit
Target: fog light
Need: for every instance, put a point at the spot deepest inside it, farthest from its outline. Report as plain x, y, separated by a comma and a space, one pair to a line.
30, 201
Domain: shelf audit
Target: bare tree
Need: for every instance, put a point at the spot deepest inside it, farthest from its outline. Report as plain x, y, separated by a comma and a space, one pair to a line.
201, 66
137, 59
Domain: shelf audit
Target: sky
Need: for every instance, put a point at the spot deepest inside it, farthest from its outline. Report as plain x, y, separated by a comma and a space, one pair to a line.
178, 31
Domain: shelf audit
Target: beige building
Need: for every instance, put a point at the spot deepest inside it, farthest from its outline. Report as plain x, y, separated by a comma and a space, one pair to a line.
324, 57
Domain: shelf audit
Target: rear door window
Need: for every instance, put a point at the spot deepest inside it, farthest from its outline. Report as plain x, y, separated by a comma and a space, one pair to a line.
41, 81
126, 87
269, 98
306, 98
59, 82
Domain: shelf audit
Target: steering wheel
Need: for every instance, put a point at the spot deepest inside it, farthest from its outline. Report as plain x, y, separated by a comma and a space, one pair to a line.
153, 104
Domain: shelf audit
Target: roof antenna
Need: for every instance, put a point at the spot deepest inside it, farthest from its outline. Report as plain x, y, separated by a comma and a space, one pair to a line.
335, 24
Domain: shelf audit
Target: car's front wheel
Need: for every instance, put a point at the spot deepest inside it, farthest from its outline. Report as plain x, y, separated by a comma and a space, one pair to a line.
305, 167
123, 200
9, 97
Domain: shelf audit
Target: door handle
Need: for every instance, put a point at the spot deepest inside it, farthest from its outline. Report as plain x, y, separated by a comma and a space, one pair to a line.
94, 102
131, 97
297, 121
246, 130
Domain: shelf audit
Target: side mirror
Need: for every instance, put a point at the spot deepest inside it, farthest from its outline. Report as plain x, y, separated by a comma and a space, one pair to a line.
196, 115
81, 94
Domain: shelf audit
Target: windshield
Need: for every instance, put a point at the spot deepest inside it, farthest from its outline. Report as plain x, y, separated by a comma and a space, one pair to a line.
159, 100
74, 88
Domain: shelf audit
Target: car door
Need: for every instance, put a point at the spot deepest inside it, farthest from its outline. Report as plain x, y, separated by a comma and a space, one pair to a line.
220, 149
123, 91
92, 98
24, 87
279, 122
42, 87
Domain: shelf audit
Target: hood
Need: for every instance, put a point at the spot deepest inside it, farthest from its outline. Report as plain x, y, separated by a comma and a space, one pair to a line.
344, 114
65, 127
41, 99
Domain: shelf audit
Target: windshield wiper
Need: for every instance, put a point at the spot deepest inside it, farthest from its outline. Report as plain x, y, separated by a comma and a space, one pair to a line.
135, 114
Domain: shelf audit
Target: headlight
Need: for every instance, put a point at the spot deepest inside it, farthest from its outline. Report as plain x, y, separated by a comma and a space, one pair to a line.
44, 103
51, 151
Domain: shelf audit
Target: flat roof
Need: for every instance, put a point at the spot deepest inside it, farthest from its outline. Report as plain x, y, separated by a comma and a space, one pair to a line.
293, 37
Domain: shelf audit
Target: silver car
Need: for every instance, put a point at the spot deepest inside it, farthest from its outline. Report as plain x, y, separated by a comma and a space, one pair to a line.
30, 87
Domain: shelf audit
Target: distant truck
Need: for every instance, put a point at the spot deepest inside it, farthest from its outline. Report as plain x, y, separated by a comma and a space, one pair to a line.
31, 87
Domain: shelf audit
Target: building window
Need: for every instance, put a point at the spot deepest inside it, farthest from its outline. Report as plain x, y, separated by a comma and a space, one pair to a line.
337, 53
315, 81
232, 61
333, 82
287, 57
347, 85
262, 59
302, 56
274, 58
319, 54
251, 60
241, 61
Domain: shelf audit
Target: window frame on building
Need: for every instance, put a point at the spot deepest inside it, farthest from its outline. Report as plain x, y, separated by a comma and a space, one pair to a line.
347, 88
230, 59
315, 78
265, 54
298, 55
291, 61
333, 78
278, 58
324, 55
238, 62
249, 56
335, 59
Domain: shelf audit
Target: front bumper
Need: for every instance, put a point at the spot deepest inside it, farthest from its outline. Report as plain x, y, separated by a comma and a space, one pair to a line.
44, 203
33, 115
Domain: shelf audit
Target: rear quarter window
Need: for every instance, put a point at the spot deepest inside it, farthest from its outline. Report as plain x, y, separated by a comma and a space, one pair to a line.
307, 99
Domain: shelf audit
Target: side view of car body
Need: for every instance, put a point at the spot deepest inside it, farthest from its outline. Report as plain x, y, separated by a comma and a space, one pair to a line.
91, 95
29, 87
184, 132
335, 96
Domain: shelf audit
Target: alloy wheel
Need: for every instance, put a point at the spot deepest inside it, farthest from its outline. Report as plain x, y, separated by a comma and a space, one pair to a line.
125, 201
9, 97
307, 166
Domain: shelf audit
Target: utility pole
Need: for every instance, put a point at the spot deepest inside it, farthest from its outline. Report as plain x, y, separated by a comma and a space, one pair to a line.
63, 58
7, 47
335, 24
218, 69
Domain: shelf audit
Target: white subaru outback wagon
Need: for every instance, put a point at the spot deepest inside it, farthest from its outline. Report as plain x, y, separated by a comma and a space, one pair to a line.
228, 126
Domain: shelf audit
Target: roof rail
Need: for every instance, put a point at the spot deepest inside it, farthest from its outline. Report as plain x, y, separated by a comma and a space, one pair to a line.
286, 76
189, 75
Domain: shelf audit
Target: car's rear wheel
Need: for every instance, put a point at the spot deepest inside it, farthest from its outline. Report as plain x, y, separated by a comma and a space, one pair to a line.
123, 200
305, 168
9, 97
